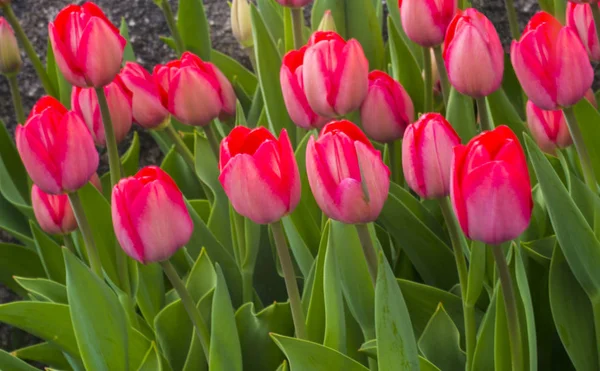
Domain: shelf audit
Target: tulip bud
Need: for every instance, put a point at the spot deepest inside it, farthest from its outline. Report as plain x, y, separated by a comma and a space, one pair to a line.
53, 212
327, 22
336, 74
425, 21
150, 218
562, 74
241, 24
427, 155
85, 102
197, 91
549, 128
473, 54
10, 56
346, 174
56, 147
490, 187
87, 46
259, 174
294, 3
387, 110
581, 21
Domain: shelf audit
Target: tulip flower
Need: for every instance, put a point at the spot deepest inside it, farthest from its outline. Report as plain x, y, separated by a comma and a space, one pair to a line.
335, 74
294, 3
259, 174
53, 212
85, 102
347, 176
549, 128
427, 155
87, 46
241, 23
150, 217
581, 21
292, 85
197, 91
56, 147
562, 74
425, 21
490, 187
473, 54
387, 110
10, 56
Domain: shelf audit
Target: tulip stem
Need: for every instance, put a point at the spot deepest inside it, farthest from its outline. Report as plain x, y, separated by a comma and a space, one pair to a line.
181, 147
297, 25
35, 59
444, 81
69, 244
190, 306
393, 153
290, 279
111, 143
459, 245
510, 303
512, 19
596, 15
368, 249
428, 81
212, 140
16, 97
584, 156
484, 118
168, 12
86, 231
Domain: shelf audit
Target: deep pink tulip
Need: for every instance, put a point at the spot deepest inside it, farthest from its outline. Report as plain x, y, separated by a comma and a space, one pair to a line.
425, 21
294, 3
85, 102
549, 128
336, 74
87, 46
56, 147
427, 155
259, 174
473, 54
551, 63
53, 212
197, 91
150, 217
10, 55
581, 20
347, 176
292, 85
490, 187
387, 110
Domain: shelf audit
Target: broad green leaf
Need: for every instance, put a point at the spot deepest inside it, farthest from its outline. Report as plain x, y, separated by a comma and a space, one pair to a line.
363, 25
13, 222
152, 361
178, 169
461, 115
502, 353
151, 291
512, 88
130, 162
540, 250
315, 318
503, 112
194, 28
51, 69
45, 353
246, 241
338, 11
272, 13
50, 254
301, 252
335, 324
588, 119
483, 359
202, 278
528, 327
370, 348
41, 287
476, 272
128, 54
12, 363
440, 342
9, 190
17, 260
234, 71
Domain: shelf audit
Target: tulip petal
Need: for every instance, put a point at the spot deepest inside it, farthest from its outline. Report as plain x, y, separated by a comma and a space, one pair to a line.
320, 179
63, 59
119, 104
351, 78
125, 232
193, 99
575, 74
39, 164
457, 173
316, 80
290, 173
227, 94
295, 99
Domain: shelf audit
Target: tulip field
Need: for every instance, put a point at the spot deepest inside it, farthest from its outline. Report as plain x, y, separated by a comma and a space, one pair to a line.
383, 186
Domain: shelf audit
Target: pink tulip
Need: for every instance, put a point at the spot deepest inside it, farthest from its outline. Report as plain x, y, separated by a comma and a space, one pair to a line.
581, 20
87, 46
85, 102
336, 74
56, 147
490, 187
427, 155
549, 128
259, 174
387, 110
150, 217
473, 54
347, 176
425, 21
197, 91
53, 212
551, 63
10, 56
292, 85
294, 3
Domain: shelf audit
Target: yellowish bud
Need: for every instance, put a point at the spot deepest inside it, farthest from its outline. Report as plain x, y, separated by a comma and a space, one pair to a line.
10, 57
327, 22
241, 24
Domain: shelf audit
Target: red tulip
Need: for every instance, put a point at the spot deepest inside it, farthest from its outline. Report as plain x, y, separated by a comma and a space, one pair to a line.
292, 85
336, 74
150, 217
549, 128
85, 102
387, 110
427, 155
473, 54
581, 20
87, 46
56, 147
294, 3
551, 63
10, 56
490, 187
197, 91
259, 174
425, 21
347, 176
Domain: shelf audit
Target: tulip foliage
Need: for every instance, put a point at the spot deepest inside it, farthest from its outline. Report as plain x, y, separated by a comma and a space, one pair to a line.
345, 201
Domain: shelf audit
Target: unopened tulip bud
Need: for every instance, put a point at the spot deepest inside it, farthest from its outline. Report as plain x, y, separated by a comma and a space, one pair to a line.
294, 3
549, 128
241, 23
150, 218
327, 22
387, 110
425, 21
10, 56
259, 174
581, 21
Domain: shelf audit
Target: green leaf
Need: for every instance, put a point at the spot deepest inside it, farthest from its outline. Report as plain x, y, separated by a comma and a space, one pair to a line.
512, 88
394, 11
45, 353
335, 323
461, 115
363, 25
151, 291
504, 113
315, 318
526, 309
178, 169
51, 68
128, 54
338, 11
588, 119
502, 353
13, 221
370, 348
50, 254
476, 272
193, 27
272, 14
302, 253
440, 342
234, 71
152, 360
12, 363
305, 355
17, 260
483, 359
49, 290
397, 347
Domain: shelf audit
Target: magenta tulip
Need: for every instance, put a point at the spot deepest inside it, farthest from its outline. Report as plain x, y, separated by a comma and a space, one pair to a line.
294, 3
425, 21
549, 128
581, 20
53, 212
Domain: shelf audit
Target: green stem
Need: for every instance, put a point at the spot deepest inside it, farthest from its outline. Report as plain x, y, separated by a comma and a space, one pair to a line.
297, 25
181, 147
35, 59
69, 244
247, 286
250, 52
212, 140
290, 279
560, 9
168, 12
368, 249
111, 143
396, 170
484, 118
428, 80
16, 97
444, 81
510, 302
190, 306
86, 231
512, 19
582, 151
459, 245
